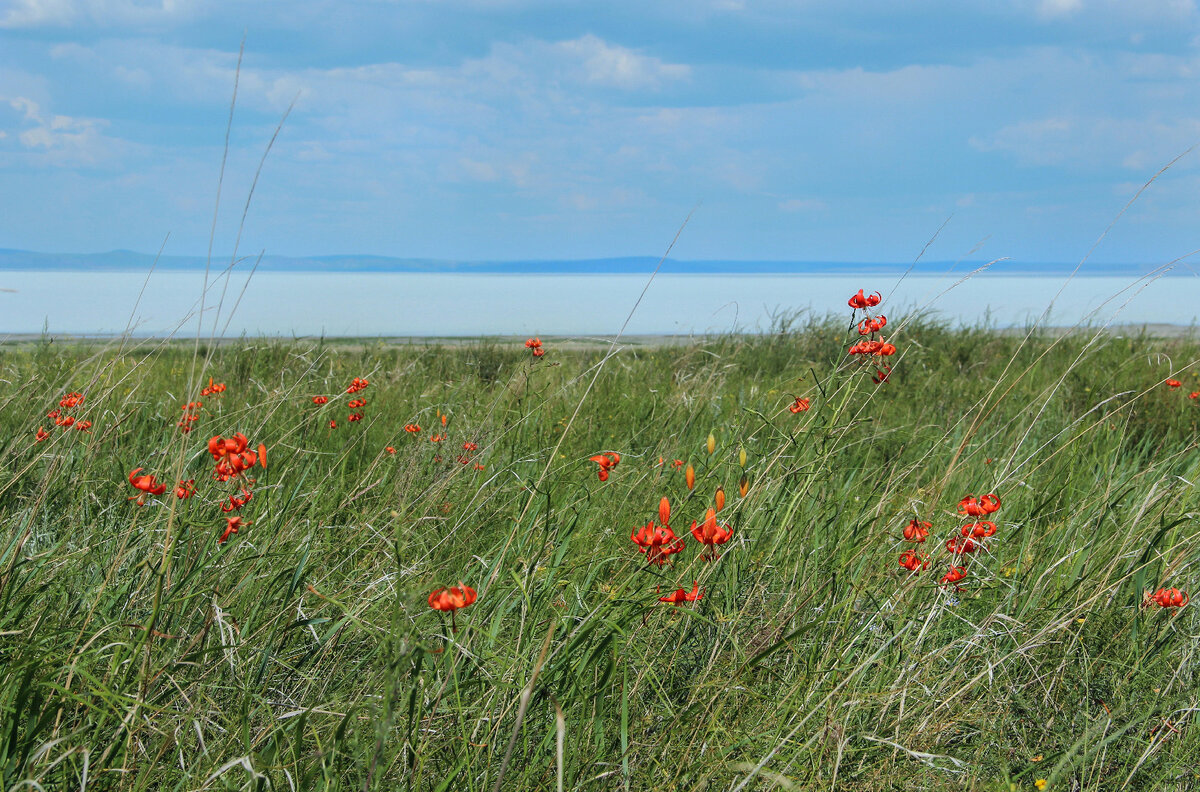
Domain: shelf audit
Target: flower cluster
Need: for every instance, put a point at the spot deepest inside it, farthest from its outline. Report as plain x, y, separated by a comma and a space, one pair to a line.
868, 327
213, 388
971, 538
534, 345
62, 418
191, 414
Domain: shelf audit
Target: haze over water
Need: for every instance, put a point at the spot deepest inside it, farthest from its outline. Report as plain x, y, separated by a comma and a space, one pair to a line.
418, 304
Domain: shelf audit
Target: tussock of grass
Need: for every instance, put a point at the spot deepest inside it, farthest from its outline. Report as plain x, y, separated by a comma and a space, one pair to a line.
138, 653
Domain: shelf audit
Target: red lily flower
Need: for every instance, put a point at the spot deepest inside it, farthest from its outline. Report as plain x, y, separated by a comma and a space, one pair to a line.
470, 446
147, 484
1173, 384
1170, 598
71, 400
911, 561
656, 541
185, 489
978, 507
917, 531
332, 424
533, 343
539, 352
64, 420
390, 450
231, 527
437, 438
357, 384
679, 596
800, 406
978, 530
710, 533
355, 416
607, 460
881, 375
1194, 395
962, 546
412, 428
355, 404
955, 574
213, 388
451, 599
320, 399
42, 434
872, 325
861, 300
236, 503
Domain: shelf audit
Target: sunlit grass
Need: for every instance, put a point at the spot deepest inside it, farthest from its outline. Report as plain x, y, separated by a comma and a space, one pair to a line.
139, 652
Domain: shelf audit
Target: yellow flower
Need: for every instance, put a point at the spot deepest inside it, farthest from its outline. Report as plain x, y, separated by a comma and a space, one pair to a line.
1040, 783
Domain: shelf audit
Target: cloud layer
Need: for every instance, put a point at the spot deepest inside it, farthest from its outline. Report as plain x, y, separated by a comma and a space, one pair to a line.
522, 128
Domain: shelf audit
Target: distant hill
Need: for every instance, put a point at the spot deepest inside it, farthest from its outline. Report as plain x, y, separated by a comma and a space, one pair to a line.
130, 261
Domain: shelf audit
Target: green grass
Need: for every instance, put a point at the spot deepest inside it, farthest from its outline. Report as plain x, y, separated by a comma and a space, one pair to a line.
138, 653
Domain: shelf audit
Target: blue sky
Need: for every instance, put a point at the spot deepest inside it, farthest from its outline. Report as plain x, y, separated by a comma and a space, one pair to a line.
503, 129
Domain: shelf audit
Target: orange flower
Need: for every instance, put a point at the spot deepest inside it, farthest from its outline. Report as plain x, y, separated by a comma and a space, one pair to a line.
607, 460
1170, 598
213, 388
861, 300
679, 596
320, 399
236, 503
743, 486
533, 343
917, 531
470, 446
719, 500
231, 527
71, 400
185, 489
357, 384
664, 511
978, 507
1173, 383
451, 599
689, 477
147, 484
955, 574
84, 426
437, 438
412, 428
880, 377
978, 530
800, 406
390, 450
656, 541
911, 561
710, 533
354, 417
355, 404
332, 424
42, 434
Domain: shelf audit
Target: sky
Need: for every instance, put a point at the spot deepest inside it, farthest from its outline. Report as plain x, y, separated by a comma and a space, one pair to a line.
545, 129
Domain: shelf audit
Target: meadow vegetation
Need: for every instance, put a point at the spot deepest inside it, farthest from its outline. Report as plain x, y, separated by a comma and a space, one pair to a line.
138, 651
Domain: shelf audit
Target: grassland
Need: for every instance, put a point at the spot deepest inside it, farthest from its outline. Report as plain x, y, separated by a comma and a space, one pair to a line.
138, 652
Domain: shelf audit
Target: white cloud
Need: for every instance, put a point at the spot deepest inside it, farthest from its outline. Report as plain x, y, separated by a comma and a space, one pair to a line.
1095, 142
104, 13
802, 205
601, 63
69, 140
1058, 8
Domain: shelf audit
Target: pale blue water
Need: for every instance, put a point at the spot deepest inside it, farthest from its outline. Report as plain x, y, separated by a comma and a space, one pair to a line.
406, 304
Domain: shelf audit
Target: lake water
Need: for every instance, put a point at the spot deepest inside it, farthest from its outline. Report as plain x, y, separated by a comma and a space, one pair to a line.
408, 304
